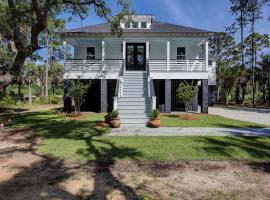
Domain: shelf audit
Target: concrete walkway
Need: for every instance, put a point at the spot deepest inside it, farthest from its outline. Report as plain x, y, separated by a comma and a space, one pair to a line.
189, 131
255, 115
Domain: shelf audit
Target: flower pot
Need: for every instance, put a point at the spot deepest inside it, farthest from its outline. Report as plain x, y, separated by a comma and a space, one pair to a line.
154, 123
115, 123
107, 118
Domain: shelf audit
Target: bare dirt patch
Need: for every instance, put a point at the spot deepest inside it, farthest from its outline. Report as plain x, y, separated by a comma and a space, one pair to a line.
27, 174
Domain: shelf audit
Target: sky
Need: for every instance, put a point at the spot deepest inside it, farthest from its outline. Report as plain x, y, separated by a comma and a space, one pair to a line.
212, 15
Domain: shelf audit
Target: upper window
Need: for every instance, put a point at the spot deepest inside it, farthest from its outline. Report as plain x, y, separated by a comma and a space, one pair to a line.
90, 53
143, 25
127, 25
181, 53
135, 25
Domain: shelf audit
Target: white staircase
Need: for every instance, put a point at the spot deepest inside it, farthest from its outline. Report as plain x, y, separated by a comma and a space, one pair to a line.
134, 105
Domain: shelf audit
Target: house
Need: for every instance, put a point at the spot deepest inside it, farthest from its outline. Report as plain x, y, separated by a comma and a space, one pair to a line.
141, 69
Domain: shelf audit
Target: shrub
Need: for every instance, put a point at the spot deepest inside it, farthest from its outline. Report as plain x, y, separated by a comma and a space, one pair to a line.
114, 114
54, 99
155, 113
186, 92
40, 100
7, 102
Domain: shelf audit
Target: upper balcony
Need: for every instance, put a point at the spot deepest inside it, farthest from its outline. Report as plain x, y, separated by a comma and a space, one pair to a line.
164, 59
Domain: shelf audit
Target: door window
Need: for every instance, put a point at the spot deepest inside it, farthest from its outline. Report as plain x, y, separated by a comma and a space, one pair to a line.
181, 53
90, 53
130, 55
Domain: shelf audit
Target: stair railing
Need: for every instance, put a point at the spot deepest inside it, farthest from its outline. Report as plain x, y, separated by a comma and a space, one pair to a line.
151, 89
119, 87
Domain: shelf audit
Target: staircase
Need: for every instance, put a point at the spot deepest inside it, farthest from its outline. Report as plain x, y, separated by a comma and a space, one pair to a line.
134, 105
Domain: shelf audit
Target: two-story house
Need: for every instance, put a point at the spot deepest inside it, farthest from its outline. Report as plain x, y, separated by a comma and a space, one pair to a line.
141, 69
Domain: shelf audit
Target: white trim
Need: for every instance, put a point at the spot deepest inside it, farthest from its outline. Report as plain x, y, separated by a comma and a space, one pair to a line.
168, 55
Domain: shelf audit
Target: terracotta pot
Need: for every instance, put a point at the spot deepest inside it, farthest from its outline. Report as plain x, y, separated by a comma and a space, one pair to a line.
154, 123
115, 123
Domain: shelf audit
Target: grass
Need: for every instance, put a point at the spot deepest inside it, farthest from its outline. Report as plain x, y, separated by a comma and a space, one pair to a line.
81, 140
206, 121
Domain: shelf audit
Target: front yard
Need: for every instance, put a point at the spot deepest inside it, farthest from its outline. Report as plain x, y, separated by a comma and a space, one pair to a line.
63, 157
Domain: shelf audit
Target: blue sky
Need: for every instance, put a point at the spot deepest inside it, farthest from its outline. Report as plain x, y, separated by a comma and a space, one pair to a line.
211, 15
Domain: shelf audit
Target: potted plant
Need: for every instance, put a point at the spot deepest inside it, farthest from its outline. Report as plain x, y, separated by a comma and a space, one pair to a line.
154, 119
115, 121
107, 118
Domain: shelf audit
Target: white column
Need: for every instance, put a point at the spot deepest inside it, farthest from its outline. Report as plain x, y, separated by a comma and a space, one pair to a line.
168, 55
65, 53
147, 55
103, 54
206, 55
124, 54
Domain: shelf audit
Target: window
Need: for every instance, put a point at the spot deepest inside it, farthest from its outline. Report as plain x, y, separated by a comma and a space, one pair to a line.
181, 53
135, 25
143, 25
90, 55
127, 25
210, 62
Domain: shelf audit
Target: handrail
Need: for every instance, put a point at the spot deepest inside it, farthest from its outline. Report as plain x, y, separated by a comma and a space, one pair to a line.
150, 88
119, 87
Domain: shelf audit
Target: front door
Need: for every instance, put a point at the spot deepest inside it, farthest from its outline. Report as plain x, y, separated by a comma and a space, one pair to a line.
135, 56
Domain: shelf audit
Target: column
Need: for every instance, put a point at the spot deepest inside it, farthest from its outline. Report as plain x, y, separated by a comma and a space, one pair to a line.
65, 52
103, 95
168, 55
103, 53
206, 55
124, 54
66, 98
167, 95
147, 54
204, 97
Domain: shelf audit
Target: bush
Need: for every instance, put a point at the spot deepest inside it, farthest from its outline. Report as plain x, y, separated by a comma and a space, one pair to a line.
7, 102
186, 92
54, 99
40, 100
114, 114
155, 113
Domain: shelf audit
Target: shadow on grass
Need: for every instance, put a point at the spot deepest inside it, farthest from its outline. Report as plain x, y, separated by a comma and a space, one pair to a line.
53, 126
233, 148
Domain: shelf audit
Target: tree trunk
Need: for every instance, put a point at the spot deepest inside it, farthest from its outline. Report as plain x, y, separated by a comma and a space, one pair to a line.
30, 92
47, 67
20, 89
253, 59
268, 84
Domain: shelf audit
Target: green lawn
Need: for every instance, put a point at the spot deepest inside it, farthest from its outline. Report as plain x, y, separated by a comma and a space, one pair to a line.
206, 121
80, 140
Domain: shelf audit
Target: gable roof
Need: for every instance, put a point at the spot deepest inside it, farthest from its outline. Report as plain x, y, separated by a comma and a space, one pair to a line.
157, 27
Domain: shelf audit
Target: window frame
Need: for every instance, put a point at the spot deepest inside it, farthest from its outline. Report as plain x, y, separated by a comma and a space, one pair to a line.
179, 56
127, 23
135, 23
94, 55
145, 24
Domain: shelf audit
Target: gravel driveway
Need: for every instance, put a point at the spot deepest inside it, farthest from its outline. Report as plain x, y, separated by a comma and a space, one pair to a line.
256, 115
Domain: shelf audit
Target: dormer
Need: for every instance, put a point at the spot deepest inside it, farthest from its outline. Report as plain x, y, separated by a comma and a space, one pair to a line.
137, 22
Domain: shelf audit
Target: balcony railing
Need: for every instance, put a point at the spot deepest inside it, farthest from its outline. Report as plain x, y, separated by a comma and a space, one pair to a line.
177, 65
81, 65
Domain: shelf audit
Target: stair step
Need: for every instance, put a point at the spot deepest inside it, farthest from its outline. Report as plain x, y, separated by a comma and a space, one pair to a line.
133, 111
126, 99
132, 107
132, 103
134, 116
134, 121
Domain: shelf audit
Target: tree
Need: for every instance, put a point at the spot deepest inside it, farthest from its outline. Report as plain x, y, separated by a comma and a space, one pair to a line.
186, 92
239, 9
29, 71
77, 93
254, 14
55, 75
22, 22
265, 65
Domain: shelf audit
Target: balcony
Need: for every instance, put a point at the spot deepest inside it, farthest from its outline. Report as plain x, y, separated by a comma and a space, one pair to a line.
189, 65
80, 65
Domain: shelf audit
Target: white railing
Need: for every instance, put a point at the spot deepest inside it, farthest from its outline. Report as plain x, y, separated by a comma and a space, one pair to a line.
93, 65
178, 65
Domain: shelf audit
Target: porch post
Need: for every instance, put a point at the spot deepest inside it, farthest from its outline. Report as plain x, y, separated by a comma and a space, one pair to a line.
65, 52
124, 54
206, 55
204, 97
167, 95
103, 95
103, 54
147, 54
168, 55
